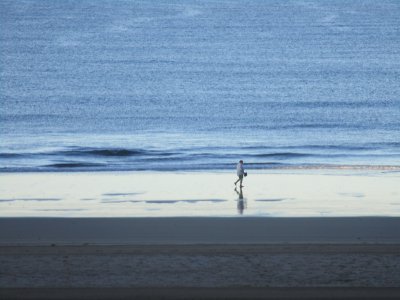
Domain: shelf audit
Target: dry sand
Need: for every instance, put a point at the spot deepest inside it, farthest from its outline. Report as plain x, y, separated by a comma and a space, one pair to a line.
210, 266
145, 256
295, 271
201, 293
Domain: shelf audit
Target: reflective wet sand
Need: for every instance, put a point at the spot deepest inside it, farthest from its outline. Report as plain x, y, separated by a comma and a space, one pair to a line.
201, 194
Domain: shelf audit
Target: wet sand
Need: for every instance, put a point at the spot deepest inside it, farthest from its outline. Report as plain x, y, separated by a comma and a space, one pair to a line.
311, 193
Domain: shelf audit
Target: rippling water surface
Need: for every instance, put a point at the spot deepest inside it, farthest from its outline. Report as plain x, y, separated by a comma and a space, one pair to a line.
197, 85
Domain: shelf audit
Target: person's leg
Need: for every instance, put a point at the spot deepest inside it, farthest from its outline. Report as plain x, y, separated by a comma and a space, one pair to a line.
240, 179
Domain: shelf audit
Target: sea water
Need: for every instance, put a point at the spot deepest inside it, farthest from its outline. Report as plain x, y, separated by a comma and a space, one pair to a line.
197, 85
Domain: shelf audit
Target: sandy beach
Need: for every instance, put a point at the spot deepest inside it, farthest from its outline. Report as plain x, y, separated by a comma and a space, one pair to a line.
68, 236
200, 258
277, 271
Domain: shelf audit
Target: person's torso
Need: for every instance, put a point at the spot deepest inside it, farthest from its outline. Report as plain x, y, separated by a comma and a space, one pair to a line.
239, 169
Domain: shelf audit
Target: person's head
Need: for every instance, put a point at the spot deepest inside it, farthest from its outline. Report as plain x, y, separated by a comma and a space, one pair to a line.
241, 161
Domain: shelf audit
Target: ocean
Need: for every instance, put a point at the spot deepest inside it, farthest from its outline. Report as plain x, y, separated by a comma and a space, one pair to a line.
197, 85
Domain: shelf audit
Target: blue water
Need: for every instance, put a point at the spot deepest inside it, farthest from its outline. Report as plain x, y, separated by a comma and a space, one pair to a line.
197, 85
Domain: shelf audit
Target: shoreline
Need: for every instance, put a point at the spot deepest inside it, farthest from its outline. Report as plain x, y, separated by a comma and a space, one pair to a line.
301, 167
305, 168
199, 194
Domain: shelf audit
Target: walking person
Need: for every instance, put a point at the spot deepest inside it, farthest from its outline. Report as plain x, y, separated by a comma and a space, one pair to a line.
240, 173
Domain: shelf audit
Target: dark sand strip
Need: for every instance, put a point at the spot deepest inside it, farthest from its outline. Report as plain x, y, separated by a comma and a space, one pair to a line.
218, 249
163, 231
201, 293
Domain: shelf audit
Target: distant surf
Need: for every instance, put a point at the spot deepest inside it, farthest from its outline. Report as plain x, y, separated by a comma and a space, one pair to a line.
198, 158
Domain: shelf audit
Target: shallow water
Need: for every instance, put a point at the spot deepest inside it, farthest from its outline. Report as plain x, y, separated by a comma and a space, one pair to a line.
196, 85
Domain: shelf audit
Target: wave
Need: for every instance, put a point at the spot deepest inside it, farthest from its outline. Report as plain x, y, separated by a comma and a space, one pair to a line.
100, 152
77, 158
112, 152
261, 150
340, 167
154, 155
92, 167
283, 154
339, 147
73, 165
10, 155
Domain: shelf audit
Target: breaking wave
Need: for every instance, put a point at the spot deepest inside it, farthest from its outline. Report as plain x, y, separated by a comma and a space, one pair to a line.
200, 158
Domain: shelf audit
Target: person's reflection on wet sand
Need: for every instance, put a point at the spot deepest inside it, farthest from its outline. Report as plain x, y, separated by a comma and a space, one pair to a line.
241, 203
